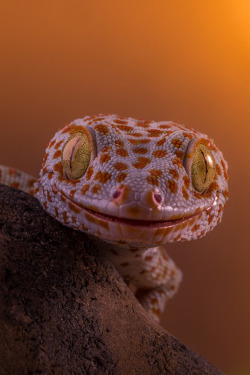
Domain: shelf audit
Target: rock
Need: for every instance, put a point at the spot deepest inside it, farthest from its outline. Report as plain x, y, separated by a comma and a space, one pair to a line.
65, 310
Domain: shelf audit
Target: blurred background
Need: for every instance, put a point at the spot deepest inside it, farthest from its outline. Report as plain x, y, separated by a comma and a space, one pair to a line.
186, 61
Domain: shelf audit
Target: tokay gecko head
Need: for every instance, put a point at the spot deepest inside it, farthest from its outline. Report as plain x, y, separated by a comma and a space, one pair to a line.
134, 182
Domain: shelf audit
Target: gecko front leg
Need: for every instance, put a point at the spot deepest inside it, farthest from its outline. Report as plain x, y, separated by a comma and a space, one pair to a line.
153, 272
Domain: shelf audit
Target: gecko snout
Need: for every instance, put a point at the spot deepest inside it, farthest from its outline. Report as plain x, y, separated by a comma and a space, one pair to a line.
136, 205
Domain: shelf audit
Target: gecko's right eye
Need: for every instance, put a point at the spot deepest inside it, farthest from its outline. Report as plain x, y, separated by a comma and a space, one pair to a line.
76, 155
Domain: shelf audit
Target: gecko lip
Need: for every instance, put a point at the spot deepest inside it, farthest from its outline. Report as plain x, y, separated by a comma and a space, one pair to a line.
135, 222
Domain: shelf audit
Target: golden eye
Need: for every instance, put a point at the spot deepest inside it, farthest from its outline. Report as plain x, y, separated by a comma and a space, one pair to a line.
76, 155
200, 165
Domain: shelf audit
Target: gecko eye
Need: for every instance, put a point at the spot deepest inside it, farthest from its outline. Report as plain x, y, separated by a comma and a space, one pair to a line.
76, 155
200, 165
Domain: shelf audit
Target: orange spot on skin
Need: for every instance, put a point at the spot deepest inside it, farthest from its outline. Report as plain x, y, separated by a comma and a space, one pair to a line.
120, 166
224, 169
105, 158
121, 121
84, 228
184, 193
125, 128
97, 221
95, 189
174, 173
210, 219
195, 228
141, 162
119, 143
58, 168
58, 144
154, 132
49, 197
51, 144
161, 142
140, 150
45, 158
36, 191
102, 177
89, 173
153, 179
143, 124
172, 186
56, 212
188, 135
50, 175
226, 193
73, 207
159, 153
57, 154
103, 129
136, 135
178, 162
106, 149
68, 128
165, 126
65, 218
72, 193
139, 141
186, 181
179, 154
45, 169
63, 199
122, 152
45, 205
121, 177
176, 142
85, 188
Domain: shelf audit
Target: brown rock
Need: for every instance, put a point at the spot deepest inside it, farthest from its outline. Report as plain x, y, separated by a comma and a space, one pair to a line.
65, 310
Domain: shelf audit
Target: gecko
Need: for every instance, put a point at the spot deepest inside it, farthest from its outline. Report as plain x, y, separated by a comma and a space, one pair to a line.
137, 185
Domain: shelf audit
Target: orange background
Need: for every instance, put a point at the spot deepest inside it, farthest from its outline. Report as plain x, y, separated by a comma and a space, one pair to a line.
186, 61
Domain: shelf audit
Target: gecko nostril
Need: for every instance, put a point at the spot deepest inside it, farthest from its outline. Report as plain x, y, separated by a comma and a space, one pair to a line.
116, 194
157, 198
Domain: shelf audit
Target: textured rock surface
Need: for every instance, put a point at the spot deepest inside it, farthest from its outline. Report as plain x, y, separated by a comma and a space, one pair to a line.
65, 310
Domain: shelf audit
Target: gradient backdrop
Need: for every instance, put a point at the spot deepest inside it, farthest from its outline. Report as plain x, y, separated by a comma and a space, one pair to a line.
186, 61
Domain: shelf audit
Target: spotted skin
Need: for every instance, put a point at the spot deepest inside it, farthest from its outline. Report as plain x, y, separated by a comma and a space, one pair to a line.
136, 194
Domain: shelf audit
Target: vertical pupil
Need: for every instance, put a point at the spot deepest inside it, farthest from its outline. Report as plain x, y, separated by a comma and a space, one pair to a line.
73, 152
205, 166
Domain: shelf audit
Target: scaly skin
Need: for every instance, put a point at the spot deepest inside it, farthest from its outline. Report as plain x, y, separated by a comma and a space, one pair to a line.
136, 193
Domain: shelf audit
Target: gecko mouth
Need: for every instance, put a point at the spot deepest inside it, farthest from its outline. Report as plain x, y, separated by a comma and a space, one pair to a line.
136, 222
143, 223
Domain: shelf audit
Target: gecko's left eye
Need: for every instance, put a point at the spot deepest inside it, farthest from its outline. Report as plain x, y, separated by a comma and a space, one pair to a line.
200, 165
76, 155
